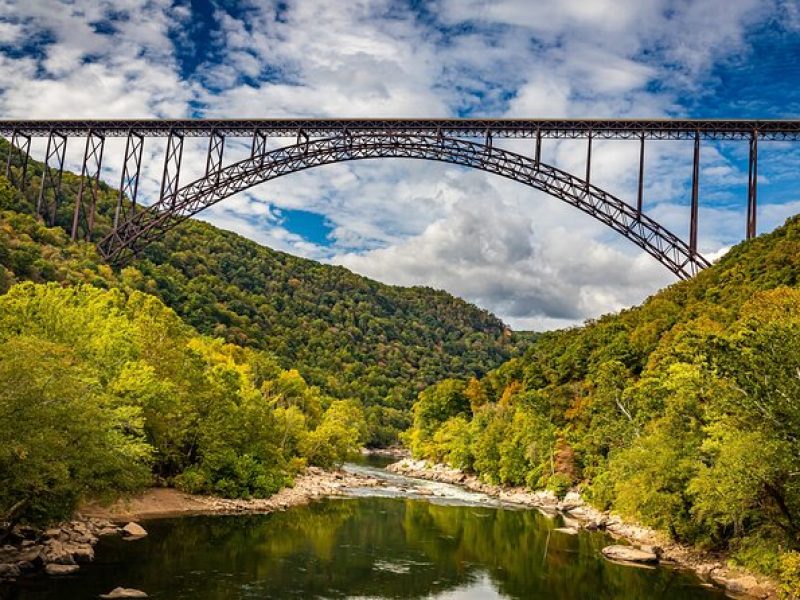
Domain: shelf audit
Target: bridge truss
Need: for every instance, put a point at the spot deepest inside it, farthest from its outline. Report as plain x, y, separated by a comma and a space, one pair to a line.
467, 142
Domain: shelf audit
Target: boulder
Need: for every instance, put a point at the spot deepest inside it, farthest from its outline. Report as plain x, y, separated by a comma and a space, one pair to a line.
54, 569
81, 552
8, 571
567, 530
122, 592
56, 552
26, 566
629, 554
134, 530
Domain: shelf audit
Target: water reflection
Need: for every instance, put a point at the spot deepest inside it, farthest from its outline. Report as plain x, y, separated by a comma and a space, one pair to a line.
366, 548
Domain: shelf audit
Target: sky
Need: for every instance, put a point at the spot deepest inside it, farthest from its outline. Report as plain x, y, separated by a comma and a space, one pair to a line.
529, 258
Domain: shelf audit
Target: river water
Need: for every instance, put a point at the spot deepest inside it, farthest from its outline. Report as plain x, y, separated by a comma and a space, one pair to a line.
408, 539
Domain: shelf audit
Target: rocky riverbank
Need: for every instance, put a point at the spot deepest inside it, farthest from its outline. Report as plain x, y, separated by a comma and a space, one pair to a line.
62, 548
648, 545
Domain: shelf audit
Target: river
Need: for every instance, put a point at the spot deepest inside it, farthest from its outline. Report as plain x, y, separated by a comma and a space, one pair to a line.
438, 542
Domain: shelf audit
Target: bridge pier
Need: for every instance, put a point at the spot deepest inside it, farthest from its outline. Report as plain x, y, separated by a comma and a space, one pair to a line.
216, 148
129, 183
24, 150
589, 160
752, 186
259, 144
51, 177
695, 192
172, 166
90, 176
640, 193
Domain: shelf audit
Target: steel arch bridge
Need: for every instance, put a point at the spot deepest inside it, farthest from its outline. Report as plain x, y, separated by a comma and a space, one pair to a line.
465, 142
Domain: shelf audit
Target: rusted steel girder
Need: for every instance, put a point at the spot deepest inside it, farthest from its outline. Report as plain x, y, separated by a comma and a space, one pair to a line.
168, 212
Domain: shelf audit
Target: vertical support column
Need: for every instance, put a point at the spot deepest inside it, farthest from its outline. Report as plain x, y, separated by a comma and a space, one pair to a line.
301, 134
21, 144
538, 152
90, 177
129, 183
640, 194
589, 161
488, 142
752, 187
259, 145
695, 190
172, 167
46, 206
216, 147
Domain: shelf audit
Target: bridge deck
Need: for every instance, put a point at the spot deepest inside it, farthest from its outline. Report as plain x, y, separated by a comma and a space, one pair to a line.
651, 129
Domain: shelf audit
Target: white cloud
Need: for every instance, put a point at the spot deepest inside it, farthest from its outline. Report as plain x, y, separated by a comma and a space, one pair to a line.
532, 260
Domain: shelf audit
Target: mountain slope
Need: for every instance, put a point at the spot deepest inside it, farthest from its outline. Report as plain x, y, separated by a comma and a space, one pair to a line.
682, 413
351, 336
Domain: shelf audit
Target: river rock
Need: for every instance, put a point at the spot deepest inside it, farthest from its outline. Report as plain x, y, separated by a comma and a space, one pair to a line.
54, 569
134, 530
81, 552
121, 592
8, 571
55, 552
629, 554
26, 566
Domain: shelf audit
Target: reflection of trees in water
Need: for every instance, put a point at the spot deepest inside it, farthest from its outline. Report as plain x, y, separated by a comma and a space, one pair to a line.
373, 547
527, 559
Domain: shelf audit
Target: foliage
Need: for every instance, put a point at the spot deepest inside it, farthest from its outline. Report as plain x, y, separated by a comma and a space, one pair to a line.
345, 334
99, 386
681, 413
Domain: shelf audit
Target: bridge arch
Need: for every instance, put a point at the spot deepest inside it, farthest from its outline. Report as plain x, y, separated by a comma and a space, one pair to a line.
134, 233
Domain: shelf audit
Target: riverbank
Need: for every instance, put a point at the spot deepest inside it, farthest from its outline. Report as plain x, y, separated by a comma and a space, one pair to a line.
62, 548
168, 502
710, 568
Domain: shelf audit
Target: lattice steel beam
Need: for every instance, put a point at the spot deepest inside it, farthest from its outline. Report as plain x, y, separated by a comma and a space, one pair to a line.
50, 189
83, 217
198, 195
651, 129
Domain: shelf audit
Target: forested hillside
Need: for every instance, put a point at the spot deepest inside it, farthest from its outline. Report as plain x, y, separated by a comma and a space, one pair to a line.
683, 413
351, 336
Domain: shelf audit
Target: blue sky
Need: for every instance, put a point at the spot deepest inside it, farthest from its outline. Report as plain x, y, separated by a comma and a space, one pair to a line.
531, 260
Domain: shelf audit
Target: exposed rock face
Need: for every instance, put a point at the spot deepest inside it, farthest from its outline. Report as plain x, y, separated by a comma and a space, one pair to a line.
122, 592
630, 554
54, 569
134, 530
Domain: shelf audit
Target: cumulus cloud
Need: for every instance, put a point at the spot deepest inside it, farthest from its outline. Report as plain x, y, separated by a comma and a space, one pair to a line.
531, 259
